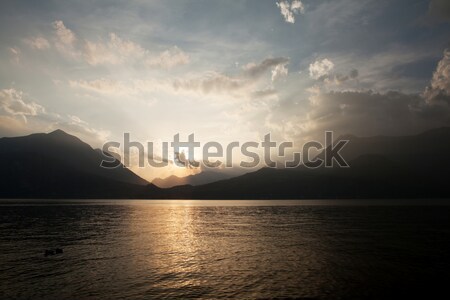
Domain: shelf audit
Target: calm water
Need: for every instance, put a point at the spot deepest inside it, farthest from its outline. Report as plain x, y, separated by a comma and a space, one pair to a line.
223, 249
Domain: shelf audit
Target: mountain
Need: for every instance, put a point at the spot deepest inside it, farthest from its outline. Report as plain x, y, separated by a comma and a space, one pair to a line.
429, 148
58, 165
380, 167
198, 179
61, 165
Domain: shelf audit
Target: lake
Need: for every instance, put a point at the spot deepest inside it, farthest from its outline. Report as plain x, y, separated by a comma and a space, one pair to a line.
171, 249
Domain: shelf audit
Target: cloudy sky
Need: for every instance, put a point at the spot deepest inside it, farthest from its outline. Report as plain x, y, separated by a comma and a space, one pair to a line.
224, 70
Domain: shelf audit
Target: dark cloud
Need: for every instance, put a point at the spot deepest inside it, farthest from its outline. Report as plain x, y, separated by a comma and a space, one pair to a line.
366, 112
439, 10
210, 83
371, 113
339, 78
353, 74
254, 70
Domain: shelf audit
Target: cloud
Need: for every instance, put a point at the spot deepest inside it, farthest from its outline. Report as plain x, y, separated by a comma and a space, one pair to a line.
339, 78
66, 40
38, 43
212, 82
81, 129
289, 10
379, 71
20, 116
103, 86
268, 92
169, 58
353, 73
323, 70
365, 112
114, 51
439, 10
320, 68
362, 113
65, 35
11, 126
438, 92
116, 88
119, 51
279, 71
368, 113
15, 54
12, 103
256, 70
246, 84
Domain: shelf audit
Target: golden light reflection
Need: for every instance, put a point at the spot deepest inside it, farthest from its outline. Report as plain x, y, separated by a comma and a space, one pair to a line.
194, 248
173, 240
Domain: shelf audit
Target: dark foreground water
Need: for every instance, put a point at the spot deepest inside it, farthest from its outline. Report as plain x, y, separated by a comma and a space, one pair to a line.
223, 249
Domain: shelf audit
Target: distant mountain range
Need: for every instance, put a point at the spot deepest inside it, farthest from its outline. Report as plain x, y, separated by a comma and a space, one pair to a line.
198, 179
59, 165
380, 167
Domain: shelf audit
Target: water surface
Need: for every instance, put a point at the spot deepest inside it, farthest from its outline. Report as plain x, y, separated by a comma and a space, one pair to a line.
163, 249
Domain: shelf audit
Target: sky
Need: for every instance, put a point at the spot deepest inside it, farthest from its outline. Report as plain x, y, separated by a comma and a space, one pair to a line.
223, 70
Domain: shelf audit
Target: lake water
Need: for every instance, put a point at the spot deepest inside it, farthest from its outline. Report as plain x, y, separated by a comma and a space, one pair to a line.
170, 249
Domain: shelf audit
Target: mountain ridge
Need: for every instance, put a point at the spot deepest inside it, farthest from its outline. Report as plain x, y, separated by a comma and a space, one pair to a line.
40, 164
380, 167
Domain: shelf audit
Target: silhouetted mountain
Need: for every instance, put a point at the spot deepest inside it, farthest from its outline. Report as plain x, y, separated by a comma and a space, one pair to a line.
198, 179
60, 165
429, 148
380, 167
